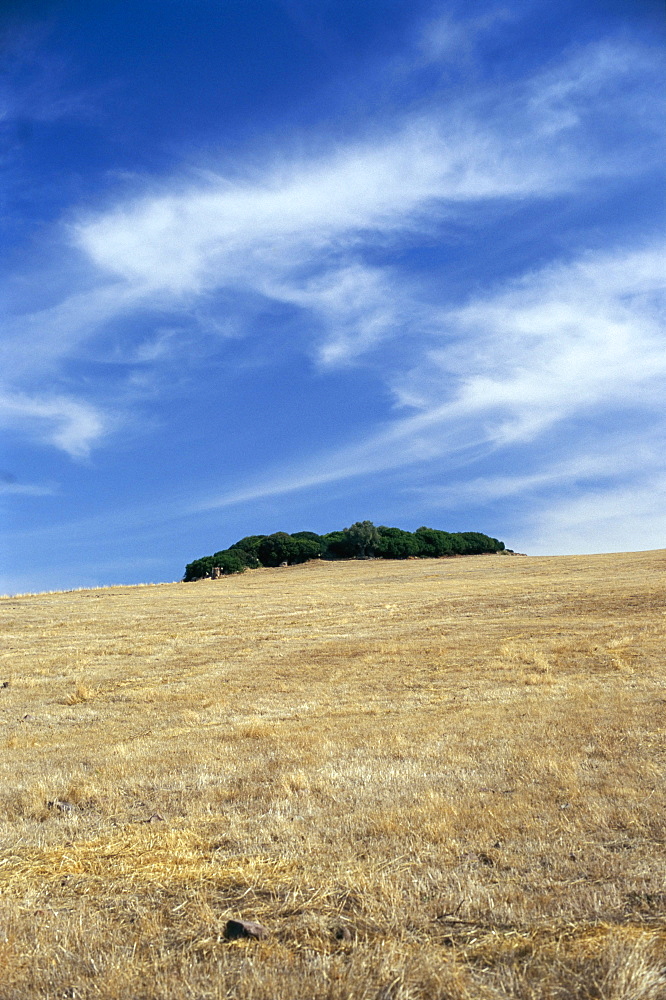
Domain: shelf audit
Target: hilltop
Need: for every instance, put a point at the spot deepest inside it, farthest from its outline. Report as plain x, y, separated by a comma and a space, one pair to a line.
359, 541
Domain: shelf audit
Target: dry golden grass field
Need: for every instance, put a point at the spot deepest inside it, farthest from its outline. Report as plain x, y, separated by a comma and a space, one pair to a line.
428, 780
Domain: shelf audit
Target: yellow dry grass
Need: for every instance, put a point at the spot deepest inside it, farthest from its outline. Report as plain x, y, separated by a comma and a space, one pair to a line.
430, 780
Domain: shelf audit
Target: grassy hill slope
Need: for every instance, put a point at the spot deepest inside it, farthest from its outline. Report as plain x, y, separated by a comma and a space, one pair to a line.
427, 779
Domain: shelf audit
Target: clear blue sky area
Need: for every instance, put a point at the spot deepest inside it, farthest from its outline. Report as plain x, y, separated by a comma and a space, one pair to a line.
288, 264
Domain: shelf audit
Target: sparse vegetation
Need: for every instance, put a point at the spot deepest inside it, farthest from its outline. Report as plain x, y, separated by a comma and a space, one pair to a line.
429, 780
361, 540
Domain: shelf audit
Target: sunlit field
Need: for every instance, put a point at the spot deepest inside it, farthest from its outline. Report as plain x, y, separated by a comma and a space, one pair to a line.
427, 780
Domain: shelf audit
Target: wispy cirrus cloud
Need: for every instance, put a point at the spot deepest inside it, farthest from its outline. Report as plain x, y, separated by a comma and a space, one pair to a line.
578, 339
587, 464
33, 351
66, 423
562, 340
35, 85
595, 85
10, 485
309, 212
501, 369
622, 517
55, 332
447, 40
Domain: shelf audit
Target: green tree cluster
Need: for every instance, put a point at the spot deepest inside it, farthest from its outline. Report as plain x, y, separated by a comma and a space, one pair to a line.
361, 540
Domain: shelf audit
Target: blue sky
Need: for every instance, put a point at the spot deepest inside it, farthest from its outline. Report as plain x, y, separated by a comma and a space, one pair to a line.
286, 264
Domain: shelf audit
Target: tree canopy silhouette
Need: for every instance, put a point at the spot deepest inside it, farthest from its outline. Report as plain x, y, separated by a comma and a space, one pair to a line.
361, 540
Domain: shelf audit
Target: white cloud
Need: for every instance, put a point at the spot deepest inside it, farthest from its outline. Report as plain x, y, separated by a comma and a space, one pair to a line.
34, 84
299, 232
25, 489
67, 423
357, 306
567, 339
252, 233
34, 344
313, 210
624, 518
595, 81
586, 338
446, 40
588, 461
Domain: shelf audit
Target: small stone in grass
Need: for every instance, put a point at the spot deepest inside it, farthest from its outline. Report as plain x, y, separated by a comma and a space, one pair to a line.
64, 807
244, 929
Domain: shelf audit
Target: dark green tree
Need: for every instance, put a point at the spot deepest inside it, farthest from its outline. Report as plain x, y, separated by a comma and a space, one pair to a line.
280, 547
311, 545
198, 569
393, 543
303, 549
337, 545
363, 538
249, 544
433, 543
476, 543
229, 559
274, 549
312, 535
